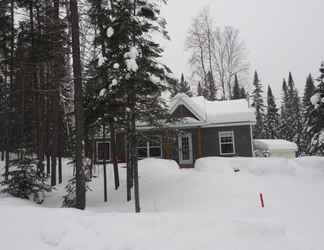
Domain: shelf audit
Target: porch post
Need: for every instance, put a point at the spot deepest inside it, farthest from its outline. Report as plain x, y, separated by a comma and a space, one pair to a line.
200, 142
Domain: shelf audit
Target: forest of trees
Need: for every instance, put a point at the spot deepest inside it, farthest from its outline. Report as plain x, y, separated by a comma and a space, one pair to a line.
69, 69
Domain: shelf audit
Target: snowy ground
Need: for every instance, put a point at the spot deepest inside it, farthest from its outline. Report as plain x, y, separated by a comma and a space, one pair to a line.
209, 207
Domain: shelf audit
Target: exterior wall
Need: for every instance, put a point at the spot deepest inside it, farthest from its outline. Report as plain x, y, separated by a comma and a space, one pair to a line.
120, 147
182, 111
242, 139
209, 139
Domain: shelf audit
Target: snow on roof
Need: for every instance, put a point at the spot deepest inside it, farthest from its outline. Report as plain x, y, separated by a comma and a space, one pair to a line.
266, 144
231, 111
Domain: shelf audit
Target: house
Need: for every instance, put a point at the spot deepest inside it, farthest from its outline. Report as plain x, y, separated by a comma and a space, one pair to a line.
275, 148
203, 128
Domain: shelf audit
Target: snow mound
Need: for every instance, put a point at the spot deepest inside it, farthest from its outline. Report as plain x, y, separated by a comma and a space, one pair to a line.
311, 165
209, 207
216, 165
255, 166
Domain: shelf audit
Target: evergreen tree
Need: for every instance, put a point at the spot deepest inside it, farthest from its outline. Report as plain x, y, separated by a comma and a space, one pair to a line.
284, 114
211, 87
236, 89
129, 70
295, 118
25, 179
80, 192
258, 104
199, 90
243, 94
272, 116
308, 91
307, 107
291, 119
315, 119
181, 86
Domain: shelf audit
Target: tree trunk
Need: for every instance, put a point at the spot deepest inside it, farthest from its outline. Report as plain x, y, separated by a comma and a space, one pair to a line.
114, 153
80, 178
129, 179
134, 162
48, 164
60, 148
53, 170
104, 164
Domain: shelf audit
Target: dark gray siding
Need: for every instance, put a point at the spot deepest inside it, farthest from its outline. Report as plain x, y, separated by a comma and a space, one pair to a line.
182, 112
210, 139
242, 138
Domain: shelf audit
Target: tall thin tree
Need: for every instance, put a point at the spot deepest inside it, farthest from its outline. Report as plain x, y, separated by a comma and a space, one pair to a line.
80, 177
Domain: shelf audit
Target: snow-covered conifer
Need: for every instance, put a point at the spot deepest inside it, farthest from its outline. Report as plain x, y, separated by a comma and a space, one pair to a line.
315, 118
181, 86
272, 117
258, 104
236, 89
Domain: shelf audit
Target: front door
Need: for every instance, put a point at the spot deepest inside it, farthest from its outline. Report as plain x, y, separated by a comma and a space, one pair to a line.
185, 148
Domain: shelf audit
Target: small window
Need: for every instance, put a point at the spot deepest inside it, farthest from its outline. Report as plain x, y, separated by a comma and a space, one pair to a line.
103, 151
226, 141
150, 148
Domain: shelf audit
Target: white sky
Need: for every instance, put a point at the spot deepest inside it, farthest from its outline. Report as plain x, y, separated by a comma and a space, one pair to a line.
280, 35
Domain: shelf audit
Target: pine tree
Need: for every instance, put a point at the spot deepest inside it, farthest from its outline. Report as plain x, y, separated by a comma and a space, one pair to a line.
272, 116
284, 114
211, 87
295, 115
199, 90
315, 119
80, 175
307, 107
181, 86
128, 68
243, 94
236, 89
25, 179
308, 91
258, 104
291, 119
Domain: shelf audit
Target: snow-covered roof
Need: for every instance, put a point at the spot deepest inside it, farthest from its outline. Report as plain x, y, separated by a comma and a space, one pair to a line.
266, 144
215, 112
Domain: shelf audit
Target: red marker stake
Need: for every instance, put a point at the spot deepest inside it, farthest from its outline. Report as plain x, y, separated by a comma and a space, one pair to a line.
261, 200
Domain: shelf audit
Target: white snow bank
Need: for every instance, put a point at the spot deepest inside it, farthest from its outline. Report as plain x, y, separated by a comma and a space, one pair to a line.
48, 229
311, 165
262, 166
210, 207
256, 166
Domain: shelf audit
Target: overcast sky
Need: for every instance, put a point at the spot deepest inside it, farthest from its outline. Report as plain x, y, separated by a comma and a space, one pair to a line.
280, 35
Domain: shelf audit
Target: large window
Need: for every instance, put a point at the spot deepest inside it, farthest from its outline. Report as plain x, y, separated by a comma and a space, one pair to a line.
227, 144
149, 147
103, 151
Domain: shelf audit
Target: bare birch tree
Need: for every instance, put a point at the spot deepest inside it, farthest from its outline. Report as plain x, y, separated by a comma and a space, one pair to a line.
216, 51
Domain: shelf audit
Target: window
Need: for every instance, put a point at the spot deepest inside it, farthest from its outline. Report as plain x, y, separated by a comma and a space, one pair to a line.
103, 150
150, 148
226, 141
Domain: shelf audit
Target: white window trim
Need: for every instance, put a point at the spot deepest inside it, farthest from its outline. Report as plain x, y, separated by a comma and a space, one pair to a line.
225, 134
148, 149
97, 151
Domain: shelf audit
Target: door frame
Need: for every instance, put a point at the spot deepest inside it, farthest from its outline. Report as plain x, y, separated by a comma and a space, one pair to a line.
181, 160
